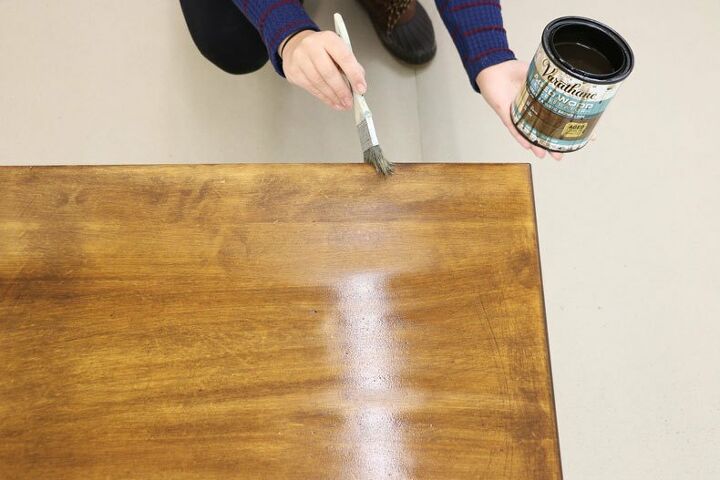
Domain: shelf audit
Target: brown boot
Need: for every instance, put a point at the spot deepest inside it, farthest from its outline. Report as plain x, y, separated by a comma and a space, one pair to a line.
404, 28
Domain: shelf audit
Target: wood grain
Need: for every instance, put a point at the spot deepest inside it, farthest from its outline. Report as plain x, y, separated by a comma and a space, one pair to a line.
273, 321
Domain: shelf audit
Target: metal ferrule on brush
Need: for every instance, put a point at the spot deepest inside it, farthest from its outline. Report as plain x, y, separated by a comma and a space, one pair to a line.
364, 122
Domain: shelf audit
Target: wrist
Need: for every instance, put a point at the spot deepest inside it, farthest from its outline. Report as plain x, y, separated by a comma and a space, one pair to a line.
486, 74
292, 39
489, 74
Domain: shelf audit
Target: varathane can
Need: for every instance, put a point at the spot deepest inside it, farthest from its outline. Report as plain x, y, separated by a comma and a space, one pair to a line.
575, 73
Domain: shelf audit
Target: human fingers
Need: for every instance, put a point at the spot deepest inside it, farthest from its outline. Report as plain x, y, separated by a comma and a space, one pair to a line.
345, 59
332, 77
318, 82
301, 80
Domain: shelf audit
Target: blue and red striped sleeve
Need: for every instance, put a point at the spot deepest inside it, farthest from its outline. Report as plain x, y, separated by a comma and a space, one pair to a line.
476, 27
275, 20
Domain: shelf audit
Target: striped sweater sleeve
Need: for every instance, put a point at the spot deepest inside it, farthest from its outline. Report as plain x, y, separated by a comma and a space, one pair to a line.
275, 20
476, 28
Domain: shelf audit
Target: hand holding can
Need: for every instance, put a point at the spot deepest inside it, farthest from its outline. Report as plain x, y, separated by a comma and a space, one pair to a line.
575, 73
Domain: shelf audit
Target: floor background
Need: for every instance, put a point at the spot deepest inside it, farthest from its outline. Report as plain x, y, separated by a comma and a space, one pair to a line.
629, 228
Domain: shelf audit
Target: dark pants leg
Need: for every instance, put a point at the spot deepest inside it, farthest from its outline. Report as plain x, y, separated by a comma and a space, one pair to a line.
224, 36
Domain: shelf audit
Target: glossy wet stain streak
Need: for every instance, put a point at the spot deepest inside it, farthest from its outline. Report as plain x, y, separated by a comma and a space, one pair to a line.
272, 321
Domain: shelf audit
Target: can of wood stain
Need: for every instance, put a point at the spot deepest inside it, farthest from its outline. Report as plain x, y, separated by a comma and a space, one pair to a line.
575, 73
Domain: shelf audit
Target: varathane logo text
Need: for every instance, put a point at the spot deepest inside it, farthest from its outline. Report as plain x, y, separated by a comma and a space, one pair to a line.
571, 88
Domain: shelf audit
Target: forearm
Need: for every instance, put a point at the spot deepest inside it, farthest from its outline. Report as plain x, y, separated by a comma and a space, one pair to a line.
476, 27
275, 20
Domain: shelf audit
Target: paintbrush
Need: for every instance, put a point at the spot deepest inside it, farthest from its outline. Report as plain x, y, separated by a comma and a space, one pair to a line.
372, 153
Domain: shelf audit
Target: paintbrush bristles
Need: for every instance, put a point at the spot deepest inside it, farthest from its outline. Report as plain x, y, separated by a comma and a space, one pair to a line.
374, 156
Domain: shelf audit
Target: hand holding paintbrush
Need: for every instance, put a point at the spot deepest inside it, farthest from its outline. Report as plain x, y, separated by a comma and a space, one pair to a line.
318, 62
372, 153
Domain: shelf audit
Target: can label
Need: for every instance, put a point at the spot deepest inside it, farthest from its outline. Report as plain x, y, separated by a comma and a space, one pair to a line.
556, 110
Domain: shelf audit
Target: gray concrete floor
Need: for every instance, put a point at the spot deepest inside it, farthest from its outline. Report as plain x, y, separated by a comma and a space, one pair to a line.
629, 228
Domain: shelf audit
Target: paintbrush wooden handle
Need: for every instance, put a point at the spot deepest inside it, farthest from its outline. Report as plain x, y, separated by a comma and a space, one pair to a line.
361, 108
341, 29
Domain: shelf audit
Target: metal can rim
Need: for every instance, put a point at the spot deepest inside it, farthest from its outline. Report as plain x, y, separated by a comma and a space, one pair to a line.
615, 77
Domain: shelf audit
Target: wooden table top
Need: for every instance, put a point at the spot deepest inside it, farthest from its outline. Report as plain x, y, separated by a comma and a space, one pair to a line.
273, 321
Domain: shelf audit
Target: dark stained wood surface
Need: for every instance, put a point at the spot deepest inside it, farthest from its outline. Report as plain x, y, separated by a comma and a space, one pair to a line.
273, 321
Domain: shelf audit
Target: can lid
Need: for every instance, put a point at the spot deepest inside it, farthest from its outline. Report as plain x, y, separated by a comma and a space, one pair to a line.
594, 36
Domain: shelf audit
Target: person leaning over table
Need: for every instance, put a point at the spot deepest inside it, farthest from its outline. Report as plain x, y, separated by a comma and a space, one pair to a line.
239, 36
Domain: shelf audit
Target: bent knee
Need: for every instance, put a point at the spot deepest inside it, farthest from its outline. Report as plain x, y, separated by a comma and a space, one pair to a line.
241, 66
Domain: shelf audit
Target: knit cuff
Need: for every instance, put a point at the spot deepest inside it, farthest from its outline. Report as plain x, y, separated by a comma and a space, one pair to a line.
275, 58
476, 28
487, 59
